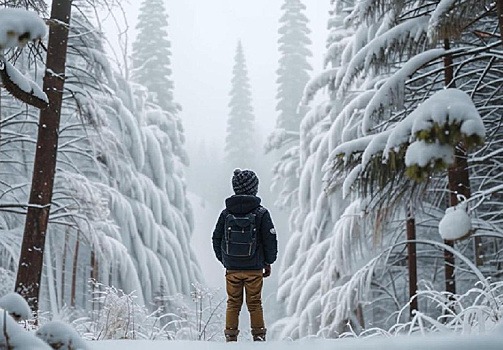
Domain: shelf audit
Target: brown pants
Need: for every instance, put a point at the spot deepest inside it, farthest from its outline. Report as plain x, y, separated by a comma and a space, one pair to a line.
251, 281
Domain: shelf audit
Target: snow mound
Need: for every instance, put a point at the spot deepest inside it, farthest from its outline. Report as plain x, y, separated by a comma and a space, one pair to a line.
17, 337
16, 306
19, 26
61, 336
456, 223
422, 153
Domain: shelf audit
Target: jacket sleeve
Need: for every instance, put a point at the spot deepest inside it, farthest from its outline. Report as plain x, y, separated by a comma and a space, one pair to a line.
269, 239
218, 234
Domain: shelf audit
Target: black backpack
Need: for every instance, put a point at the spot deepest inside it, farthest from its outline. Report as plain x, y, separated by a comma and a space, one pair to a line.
240, 239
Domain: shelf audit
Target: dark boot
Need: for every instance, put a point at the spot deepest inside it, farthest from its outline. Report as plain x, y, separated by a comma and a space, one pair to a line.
231, 335
258, 334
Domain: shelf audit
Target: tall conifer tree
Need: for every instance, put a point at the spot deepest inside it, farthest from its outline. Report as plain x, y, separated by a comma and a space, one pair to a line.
293, 75
152, 53
293, 66
240, 144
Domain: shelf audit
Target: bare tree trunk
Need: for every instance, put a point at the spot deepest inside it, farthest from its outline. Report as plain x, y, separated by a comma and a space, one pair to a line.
459, 183
63, 267
94, 274
412, 261
32, 249
94, 266
450, 281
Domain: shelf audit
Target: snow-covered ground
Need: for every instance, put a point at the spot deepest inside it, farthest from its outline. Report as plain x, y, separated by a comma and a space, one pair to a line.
450, 342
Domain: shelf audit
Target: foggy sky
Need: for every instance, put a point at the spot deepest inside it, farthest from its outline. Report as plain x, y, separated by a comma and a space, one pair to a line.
204, 36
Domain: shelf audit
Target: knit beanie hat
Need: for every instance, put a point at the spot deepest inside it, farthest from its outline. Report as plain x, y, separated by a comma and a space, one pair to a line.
245, 182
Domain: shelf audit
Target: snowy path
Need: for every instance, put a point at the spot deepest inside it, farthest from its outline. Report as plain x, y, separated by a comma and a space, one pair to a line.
394, 343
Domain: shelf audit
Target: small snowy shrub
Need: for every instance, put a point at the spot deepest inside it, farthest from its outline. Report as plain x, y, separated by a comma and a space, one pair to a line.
195, 318
16, 306
61, 336
117, 315
477, 311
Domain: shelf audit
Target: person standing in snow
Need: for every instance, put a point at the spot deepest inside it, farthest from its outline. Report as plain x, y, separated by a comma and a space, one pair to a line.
244, 241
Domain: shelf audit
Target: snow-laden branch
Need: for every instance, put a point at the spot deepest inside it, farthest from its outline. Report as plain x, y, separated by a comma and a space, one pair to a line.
358, 145
17, 28
347, 149
317, 83
451, 17
379, 48
429, 134
278, 138
350, 180
443, 7
341, 43
391, 93
445, 106
364, 9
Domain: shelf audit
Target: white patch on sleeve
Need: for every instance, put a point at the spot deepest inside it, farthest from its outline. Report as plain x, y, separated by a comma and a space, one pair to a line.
273, 231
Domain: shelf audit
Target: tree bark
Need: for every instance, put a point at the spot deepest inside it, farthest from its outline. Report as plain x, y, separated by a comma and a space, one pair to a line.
94, 266
412, 261
449, 262
459, 184
32, 249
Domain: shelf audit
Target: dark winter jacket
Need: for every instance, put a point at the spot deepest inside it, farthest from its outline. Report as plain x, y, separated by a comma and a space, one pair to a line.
267, 245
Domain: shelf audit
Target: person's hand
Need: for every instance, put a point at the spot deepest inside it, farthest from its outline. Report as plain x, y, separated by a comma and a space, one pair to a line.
267, 271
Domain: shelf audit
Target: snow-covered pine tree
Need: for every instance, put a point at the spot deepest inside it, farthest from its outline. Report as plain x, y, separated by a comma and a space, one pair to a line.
293, 71
240, 142
293, 74
315, 214
152, 54
131, 165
